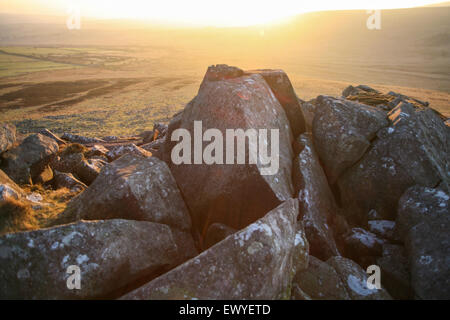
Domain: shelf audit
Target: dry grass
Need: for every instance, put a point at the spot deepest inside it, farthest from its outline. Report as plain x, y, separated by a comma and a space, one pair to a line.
16, 216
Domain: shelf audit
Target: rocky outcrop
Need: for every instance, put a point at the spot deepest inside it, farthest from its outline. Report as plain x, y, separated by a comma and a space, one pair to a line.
342, 132
216, 233
235, 195
109, 254
412, 150
255, 263
27, 161
138, 189
423, 222
317, 205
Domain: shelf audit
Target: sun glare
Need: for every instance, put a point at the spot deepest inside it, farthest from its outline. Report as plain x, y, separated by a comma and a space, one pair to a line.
206, 12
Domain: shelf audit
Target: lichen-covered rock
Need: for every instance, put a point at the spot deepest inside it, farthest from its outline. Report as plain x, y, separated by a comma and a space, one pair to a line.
342, 132
317, 204
423, 222
395, 275
235, 195
309, 112
384, 229
320, 281
413, 150
9, 189
7, 136
88, 170
281, 87
428, 248
97, 150
110, 254
132, 187
29, 159
301, 249
355, 280
67, 180
116, 151
361, 244
255, 263
419, 204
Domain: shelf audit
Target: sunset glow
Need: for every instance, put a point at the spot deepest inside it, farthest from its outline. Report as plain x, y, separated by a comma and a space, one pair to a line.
199, 12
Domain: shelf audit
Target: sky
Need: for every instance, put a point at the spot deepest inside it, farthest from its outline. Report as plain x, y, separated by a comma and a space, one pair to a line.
198, 12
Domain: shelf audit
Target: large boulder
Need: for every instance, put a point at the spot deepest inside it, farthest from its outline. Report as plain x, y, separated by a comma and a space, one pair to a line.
110, 254
423, 222
355, 280
255, 263
421, 204
320, 281
317, 204
281, 87
363, 246
89, 169
239, 194
135, 188
342, 132
395, 276
7, 136
27, 161
413, 150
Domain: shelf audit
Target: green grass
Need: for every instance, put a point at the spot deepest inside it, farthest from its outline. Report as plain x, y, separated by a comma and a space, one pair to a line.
14, 65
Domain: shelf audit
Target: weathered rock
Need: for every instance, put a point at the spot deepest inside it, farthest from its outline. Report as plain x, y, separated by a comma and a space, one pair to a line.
67, 180
80, 139
235, 195
320, 281
116, 152
413, 150
29, 159
419, 204
88, 170
216, 233
361, 244
132, 187
298, 294
97, 150
423, 222
317, 205
153, 146
255, 263
342, 132
301, 249
428, 249
9, 189
309, 112
7, 136
110, 254
51, 135
394, 272
351, 90
384, 229
281, 87
355, 280
67, 162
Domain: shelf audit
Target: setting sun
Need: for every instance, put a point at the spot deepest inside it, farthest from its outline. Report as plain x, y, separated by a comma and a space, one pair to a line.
201, 12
